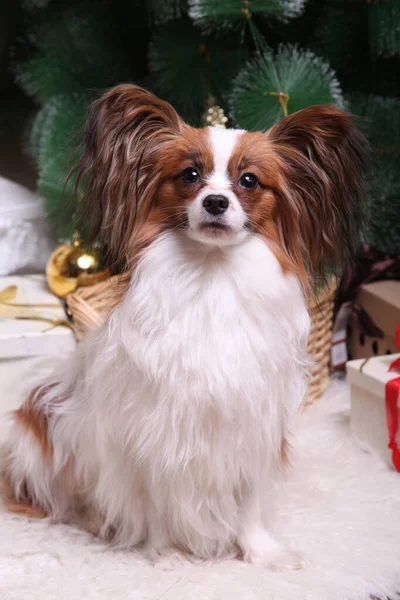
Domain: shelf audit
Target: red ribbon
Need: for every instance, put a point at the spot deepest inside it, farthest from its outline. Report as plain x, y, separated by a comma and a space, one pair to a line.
392, 391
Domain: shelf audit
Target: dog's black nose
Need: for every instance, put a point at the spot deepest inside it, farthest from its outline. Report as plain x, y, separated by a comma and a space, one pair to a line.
215, 204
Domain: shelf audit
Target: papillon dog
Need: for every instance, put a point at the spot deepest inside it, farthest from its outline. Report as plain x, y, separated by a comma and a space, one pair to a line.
166, 428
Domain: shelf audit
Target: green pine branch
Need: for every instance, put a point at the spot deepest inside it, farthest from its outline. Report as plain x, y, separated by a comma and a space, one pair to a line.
73, 52
211, 15
384, 28
384, 204
379, 120
303, 79
187, 67
55, 140
166, 10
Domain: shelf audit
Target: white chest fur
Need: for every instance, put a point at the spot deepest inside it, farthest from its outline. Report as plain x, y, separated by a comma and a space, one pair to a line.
198, 311
216, 341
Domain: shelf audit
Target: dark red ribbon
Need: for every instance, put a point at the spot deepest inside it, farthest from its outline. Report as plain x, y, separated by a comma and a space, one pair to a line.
392, 391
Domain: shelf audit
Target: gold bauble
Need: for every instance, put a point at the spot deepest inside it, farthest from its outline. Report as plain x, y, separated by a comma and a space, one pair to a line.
58, 283
83, 260
73, 265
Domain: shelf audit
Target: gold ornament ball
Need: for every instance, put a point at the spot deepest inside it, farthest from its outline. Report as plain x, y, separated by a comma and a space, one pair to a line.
71, 266
83, 260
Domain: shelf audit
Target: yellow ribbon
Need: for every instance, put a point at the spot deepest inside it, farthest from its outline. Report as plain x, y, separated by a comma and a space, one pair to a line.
363, 364
10, 292
13, 310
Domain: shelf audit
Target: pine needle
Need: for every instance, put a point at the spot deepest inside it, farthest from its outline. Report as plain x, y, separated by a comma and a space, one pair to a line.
384, 28
298, 76
202, 65
213, 15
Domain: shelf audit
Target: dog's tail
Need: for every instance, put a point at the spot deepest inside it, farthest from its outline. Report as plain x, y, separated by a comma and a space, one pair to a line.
24, 474
8, 497
27, 478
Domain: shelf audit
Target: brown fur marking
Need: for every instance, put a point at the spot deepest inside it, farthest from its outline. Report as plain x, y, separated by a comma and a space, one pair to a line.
309, 202
285, 453
253, 153
26, 508
34, 420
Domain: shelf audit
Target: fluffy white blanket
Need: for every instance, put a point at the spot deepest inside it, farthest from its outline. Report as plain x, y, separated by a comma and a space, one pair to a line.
339, 506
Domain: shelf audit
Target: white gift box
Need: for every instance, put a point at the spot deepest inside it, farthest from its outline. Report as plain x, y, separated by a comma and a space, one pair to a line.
368, 379
30, 337
28, 345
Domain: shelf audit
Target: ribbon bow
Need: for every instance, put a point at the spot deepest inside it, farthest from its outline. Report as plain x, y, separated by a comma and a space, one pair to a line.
392, 391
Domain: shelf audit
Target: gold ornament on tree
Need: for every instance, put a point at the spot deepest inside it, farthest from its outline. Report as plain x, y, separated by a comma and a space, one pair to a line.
82, 260
214, 115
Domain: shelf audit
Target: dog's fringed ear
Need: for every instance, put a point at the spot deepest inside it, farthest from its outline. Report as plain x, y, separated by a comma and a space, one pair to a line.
321, 204
126, 129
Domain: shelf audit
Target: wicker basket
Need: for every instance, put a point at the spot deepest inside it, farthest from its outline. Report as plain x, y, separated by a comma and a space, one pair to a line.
320, 340
88, 307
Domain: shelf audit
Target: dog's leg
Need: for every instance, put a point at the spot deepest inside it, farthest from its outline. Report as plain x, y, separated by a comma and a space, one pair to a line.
256, 543
158, 546
157, 533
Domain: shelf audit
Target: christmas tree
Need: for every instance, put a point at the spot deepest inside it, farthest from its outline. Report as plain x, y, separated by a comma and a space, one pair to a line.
256, 59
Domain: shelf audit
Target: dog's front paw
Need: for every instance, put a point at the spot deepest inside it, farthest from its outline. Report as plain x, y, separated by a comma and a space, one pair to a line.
260, 549
165, 558
279, 559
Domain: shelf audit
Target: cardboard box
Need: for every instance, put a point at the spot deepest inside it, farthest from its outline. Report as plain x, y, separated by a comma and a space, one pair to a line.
381, 300
368, 405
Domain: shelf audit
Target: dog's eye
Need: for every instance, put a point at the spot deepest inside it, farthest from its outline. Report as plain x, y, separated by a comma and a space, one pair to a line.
248, 181
190, 175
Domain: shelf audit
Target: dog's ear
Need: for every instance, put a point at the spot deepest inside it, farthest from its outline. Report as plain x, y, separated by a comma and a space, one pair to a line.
126, 130
321, 208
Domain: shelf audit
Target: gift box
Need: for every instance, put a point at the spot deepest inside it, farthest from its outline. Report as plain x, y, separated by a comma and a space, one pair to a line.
32, 319
33, 331
374, 317
375, 386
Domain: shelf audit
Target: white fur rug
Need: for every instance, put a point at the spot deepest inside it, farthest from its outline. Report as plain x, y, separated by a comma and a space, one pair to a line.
339, 506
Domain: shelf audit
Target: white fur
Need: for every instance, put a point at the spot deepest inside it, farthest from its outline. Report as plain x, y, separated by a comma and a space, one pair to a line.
222, 142
338, 505
176, 409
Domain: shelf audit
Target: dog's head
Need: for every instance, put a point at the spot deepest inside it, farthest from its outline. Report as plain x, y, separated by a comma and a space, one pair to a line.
299, 185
